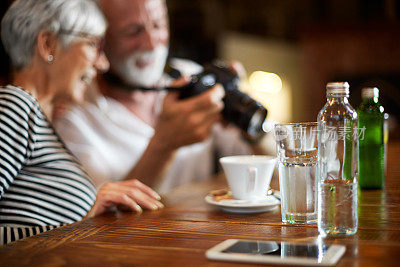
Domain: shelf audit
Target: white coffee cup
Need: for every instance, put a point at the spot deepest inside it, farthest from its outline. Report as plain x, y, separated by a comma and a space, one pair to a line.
248, 176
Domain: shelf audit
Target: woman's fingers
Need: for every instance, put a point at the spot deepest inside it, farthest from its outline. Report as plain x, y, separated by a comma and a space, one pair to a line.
144, 188
132, 194
129, 202
143, 195
144, 200
138, 192
108, 197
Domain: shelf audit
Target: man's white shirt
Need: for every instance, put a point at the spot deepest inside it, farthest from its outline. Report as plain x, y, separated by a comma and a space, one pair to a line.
109, 140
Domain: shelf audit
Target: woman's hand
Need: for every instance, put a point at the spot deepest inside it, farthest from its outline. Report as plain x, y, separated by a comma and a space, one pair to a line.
130, 193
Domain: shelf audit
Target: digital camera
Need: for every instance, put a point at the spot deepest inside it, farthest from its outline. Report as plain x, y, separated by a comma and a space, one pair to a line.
239, 108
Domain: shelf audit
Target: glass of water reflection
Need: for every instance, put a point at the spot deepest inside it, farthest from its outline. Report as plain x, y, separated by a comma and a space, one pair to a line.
297, 149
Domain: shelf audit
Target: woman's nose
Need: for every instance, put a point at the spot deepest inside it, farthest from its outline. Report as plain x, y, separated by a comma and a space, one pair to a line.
102, 64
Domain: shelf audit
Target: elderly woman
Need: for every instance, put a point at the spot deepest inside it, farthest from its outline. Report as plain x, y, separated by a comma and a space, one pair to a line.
55, 50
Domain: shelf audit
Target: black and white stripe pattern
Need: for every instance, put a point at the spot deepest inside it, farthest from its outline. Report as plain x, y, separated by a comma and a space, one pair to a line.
42, 186
10, 234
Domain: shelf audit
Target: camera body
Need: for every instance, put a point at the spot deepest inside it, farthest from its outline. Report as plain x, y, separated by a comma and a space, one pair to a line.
239, 108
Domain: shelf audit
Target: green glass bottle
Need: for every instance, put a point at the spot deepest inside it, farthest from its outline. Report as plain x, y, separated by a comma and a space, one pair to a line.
371, 140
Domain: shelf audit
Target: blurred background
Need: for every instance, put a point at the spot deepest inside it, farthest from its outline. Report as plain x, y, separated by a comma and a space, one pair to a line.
291, 49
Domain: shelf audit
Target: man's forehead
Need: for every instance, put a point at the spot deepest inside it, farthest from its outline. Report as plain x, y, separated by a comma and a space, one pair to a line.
133, 10
155, 7
153, 4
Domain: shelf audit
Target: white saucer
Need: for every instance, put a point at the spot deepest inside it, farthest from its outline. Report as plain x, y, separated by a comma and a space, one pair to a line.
244, 206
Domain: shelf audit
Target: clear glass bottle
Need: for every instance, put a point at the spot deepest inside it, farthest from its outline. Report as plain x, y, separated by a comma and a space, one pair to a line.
337, 163
372, 148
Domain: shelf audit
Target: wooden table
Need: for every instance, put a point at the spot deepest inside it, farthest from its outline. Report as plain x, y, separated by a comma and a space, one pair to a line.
180, 234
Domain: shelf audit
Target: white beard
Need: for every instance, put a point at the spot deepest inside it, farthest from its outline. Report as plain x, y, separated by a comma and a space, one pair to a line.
147, 76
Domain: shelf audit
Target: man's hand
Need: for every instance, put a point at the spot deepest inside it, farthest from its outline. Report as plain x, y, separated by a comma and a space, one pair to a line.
238, 68
130, 193
184, 122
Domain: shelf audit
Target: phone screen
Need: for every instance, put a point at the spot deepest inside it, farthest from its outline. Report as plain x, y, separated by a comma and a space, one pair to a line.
278, 249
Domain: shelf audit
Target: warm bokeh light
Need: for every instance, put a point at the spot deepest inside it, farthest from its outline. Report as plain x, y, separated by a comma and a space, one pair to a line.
265, 82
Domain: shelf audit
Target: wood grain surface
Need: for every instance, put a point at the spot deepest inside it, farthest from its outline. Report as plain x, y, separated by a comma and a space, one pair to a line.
180, 234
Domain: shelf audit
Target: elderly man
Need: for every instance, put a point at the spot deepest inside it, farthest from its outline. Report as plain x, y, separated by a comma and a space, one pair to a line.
124, 132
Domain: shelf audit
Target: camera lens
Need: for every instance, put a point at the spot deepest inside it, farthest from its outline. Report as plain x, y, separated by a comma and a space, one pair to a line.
256, 123
244, 112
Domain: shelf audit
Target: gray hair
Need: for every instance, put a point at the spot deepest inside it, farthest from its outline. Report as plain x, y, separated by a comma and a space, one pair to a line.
25, 19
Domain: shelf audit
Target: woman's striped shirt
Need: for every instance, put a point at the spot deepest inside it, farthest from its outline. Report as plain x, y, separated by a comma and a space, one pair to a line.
42, 185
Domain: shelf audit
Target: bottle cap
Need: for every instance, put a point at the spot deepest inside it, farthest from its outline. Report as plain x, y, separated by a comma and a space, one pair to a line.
369, 92
338, 88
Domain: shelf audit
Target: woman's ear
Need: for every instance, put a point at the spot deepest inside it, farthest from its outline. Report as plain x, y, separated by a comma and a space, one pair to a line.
47, 44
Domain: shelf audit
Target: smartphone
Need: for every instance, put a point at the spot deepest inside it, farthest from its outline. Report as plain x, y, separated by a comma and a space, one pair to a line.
314, 254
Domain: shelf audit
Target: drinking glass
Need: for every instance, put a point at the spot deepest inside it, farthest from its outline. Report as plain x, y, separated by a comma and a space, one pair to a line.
297, 148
